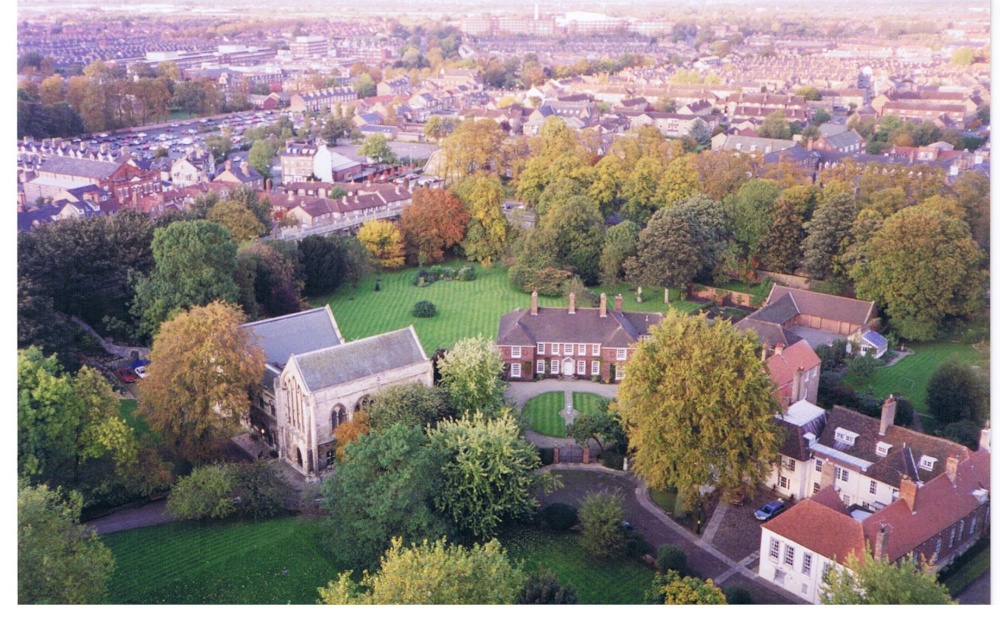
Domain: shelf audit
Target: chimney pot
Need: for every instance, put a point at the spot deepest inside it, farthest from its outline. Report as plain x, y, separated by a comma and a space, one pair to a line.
534, 303
908, 493
778, 348
880, 549
618, 303
984, 438
951, 468
604, 305
572, 303
797, 385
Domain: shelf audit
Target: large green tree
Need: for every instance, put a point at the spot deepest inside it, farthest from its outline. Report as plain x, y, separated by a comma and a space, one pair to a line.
488, 473
868, 580
748, 216
672, 588
486, 238
698, 407
827, 232
470, 373
58, 561
202, 367
620, 242
602, 518
433, 223
383, 489
433, 573
668, 253
922, 266
412, 404
268, 280
194, 264
958, 391
578, 236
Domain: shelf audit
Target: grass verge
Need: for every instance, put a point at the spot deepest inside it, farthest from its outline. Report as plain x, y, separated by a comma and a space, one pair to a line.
910, 376
542, 413
586, 403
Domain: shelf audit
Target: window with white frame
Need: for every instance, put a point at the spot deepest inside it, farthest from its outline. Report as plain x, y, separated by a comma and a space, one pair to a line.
872, 487
515, 352
815, 488
540, 367
783, 482
620, 372
555, 366
842, 474
595, 349
845, 436
882, 448
807, 563
541, 348
961, 529
555, 349
951, 538
581, 349
895, 494
927, 462
774, 550
937, 546
621, 355
515, 370
819, 465
568, 349
595, 368
805, 589
581, 368
790, 464
789, 555
972, 526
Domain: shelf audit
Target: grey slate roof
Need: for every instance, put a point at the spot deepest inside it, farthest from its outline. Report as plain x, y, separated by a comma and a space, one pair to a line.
904, 456
296, 333
617, 330
79, 167
360, 359
777, 311
769, 333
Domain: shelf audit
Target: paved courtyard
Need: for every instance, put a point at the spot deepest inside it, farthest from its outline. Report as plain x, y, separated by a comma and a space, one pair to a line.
817, 337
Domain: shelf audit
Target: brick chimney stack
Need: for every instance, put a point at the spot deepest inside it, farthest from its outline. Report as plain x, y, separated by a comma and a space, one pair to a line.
951, 468
245, 168
778, 348
572, 303
984, 438
763, 353
908, 493
881, 547
534, 303
797, 385
618, 303
888, 415
826, 475
604, 305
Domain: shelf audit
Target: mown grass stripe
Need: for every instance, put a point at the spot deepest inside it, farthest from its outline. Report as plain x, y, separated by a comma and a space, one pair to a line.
542, 413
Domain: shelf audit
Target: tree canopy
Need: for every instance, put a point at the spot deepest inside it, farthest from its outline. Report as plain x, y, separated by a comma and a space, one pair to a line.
698, 407
470, 372
202, 367
382, 489
878, 581
384, 241
671, 587
194, 264
58, 562
433, 223
433, 573
957, 392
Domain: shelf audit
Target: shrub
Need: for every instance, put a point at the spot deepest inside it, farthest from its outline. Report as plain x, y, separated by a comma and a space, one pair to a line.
635, 544
737, 595
424, 308
544, 588
466, 273
547, 455
613, 460
206, 492
670, 557
261, 490
603, 521
560, 516
424, 278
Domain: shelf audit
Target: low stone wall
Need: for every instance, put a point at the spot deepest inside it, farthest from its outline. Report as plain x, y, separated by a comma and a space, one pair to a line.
787, 280
723, 297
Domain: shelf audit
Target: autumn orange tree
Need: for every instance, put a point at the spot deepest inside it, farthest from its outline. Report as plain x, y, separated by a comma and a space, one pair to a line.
433, 223
201, 369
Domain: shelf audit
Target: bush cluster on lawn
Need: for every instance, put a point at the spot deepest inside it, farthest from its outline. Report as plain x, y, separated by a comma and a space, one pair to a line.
603, 521
547, 281
433, 274
424, 308
545, 588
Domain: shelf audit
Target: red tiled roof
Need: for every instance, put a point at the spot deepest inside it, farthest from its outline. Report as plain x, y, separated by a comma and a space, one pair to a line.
819, 528
782, 366
857, 312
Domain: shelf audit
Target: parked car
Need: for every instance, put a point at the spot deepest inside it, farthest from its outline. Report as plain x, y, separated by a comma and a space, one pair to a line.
127, 375
141, 371
769, 510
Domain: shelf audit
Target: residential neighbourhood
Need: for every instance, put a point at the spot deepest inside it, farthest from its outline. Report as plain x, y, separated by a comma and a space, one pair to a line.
520, 304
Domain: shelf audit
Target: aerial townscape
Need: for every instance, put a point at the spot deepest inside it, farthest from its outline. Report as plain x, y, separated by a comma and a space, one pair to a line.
445, 302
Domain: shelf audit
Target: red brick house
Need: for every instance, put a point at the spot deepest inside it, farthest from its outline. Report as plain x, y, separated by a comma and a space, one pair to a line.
571, 342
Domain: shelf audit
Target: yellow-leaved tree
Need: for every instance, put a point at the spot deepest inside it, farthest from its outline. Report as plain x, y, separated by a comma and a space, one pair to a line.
384, 241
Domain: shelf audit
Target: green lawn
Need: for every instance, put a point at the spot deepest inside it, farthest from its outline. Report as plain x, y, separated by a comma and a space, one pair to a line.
911, 375
272, 562
586, 402
542, 413
465, 309
615, 581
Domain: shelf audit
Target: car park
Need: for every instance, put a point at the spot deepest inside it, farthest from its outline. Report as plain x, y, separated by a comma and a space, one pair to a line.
769, 510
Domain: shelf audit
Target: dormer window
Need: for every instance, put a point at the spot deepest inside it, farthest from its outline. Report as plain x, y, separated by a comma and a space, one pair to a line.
845, 436
927, 463
882, 449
